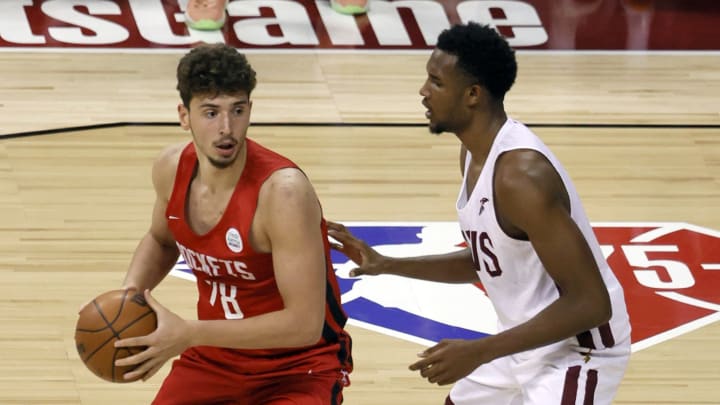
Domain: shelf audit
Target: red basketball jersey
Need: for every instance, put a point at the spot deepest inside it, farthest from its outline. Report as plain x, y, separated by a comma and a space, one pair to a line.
234, 281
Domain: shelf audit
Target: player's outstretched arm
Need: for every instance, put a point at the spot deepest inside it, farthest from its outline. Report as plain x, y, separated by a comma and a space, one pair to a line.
157, 252
454, 267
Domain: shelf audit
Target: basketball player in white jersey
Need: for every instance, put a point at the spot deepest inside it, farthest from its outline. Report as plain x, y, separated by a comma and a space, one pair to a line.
564, 332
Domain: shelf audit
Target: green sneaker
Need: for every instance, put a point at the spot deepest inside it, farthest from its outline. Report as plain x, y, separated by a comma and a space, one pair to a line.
205, 15
351, 7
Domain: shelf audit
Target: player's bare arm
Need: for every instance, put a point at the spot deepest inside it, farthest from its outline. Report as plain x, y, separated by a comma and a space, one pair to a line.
157, 252
453, 267
532, 201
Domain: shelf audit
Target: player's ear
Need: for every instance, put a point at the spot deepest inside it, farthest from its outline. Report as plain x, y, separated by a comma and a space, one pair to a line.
184, 116
474, 94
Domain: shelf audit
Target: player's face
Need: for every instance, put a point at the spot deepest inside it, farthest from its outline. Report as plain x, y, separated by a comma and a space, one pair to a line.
219, 125
442, 92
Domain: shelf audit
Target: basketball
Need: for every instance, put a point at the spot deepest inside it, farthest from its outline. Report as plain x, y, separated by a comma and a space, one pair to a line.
112, 316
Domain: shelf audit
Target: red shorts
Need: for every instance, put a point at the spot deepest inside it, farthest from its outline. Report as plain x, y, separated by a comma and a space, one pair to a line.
193, 382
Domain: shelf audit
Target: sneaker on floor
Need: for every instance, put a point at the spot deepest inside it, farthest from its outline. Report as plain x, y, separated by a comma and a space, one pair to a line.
205, 15
350, 6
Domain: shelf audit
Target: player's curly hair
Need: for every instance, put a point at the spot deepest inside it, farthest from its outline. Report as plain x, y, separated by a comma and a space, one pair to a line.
483, 54
213, 69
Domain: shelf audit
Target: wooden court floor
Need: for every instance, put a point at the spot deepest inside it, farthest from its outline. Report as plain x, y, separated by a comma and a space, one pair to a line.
73, 204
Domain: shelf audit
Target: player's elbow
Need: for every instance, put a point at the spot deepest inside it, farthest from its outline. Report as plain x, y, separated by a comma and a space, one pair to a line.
311, 337
307, 336
591, 309
308, 331
601, 311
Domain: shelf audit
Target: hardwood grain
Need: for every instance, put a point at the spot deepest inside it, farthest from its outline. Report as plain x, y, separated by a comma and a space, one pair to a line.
73, 205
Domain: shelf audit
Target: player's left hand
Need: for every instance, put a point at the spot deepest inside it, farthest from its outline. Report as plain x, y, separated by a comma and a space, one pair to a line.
448, 361
170, 338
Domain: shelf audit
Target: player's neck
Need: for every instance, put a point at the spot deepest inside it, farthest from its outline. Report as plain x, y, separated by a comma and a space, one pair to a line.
480, 134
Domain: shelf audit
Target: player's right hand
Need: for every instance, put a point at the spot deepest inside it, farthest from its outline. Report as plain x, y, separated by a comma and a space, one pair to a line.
368, 259
171, 337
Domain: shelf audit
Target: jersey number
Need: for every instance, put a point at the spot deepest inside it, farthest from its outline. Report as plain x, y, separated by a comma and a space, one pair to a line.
228, 299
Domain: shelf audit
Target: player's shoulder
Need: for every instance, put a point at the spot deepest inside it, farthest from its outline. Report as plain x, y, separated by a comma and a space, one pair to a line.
521, 173
169, 157
287, 179
287, 186
165, 165
170, 154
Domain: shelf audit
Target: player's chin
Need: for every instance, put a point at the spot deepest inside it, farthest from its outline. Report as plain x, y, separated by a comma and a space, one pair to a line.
224, 157
435, 128
222, 162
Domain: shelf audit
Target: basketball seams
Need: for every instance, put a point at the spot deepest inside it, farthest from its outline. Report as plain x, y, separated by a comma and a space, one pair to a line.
122, 306
115, 334
128, 320
102, 315
108, 324
136, 320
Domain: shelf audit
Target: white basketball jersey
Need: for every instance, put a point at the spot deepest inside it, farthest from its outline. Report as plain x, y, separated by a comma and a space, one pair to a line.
511, 272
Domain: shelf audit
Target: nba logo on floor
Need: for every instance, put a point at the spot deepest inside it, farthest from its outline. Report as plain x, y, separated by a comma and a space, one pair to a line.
668, 271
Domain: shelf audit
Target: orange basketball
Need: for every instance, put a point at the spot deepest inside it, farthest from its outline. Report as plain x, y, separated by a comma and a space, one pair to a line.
112, 316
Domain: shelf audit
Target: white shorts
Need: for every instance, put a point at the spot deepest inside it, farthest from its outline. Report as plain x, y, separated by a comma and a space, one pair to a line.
553, 375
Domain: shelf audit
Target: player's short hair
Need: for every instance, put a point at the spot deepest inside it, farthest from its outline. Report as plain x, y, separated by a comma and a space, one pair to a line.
214, 69
483, 54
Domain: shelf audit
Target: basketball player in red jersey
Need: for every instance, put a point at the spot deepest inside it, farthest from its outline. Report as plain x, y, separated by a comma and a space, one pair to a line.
247, 221
564, 331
